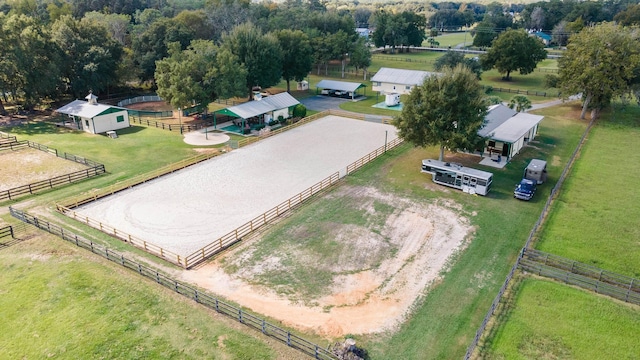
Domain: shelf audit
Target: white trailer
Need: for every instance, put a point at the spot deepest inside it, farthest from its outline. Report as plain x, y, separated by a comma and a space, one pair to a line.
469, 180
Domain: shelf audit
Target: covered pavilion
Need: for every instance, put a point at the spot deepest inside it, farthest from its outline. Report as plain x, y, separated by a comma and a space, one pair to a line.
339, 88
260, 111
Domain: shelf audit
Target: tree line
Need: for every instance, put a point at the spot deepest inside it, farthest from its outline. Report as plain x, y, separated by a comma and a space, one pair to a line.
50, 50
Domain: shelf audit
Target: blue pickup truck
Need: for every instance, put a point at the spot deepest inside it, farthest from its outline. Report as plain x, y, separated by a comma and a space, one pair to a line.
525, 190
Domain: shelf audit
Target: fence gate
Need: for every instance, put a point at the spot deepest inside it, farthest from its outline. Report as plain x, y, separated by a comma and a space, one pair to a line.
233, 144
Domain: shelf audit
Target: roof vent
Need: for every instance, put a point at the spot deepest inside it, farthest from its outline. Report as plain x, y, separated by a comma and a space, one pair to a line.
92, 99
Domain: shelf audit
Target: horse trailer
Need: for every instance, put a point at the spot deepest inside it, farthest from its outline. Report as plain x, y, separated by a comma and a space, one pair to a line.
469, 180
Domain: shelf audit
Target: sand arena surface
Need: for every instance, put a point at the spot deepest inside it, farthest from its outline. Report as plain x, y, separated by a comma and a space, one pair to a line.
187, 210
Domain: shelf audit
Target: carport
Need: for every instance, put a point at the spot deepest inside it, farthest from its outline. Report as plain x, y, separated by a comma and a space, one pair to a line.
263, 110
339, 88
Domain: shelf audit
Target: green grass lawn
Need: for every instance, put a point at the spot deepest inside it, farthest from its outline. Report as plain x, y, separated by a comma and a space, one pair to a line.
452, 39
595, 219
137, 150
550, 320
61, 301
444, 323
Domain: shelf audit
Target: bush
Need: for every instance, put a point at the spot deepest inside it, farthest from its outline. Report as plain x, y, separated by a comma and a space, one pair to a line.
551, 81
488, 89
300, 111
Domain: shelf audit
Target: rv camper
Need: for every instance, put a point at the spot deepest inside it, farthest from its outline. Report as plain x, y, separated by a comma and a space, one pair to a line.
536, 171
469, 180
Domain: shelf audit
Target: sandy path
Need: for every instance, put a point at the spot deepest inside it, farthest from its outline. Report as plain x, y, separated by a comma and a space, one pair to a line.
187, 210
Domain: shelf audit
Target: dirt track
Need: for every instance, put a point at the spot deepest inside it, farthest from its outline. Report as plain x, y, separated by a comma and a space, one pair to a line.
362, 299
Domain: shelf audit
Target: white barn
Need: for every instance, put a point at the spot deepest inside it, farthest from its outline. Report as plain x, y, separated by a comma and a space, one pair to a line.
401, 81
96, 118
508, 131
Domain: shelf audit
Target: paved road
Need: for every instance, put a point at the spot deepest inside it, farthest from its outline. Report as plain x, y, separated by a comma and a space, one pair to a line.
321, 103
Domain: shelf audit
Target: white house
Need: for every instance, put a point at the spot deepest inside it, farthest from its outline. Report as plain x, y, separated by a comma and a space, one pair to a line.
508, 131
401, 81
96, 118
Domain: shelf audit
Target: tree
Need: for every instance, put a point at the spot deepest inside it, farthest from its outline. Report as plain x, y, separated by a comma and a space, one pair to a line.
200, 74
452, 58
116, 24
260, 54
484, 34
514, 50
29, 60
560, 34
90, 55
297, 56
360, 56
520, 103
152, 44
446, 110
600, 63
629, 17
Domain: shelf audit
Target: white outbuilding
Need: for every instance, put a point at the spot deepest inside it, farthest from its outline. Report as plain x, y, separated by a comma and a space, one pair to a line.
399, 81
96, 118
507, 131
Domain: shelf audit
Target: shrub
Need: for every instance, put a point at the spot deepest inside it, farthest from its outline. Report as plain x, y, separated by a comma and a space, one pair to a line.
300, 111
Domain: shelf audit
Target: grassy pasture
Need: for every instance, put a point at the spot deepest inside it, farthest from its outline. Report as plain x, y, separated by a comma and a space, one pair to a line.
444, 322
137, 150
595, 219
549, 320
60, 301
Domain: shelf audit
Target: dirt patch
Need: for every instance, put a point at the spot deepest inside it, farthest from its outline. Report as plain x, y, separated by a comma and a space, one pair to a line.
27, 166
151, 106
361, 298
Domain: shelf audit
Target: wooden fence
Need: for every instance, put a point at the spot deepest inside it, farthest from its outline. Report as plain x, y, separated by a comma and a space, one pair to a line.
605, 282
6, 231
199, 296
95, 169
585, 282
527, 245
232, 237
82, 199
257, 222
372, 155
139, 99
490, 89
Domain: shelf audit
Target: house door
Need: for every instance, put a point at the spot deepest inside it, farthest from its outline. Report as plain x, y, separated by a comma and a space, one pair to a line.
505, 150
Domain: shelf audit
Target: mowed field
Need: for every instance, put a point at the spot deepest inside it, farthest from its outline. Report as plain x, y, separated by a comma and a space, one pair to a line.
58, 301
443, 321
593, 221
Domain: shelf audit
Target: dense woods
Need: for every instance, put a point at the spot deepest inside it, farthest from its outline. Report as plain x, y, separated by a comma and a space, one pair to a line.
51, 50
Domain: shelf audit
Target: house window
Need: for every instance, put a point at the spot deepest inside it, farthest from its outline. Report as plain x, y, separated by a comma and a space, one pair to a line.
408, 87
376, 83
86, 123
120, 118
